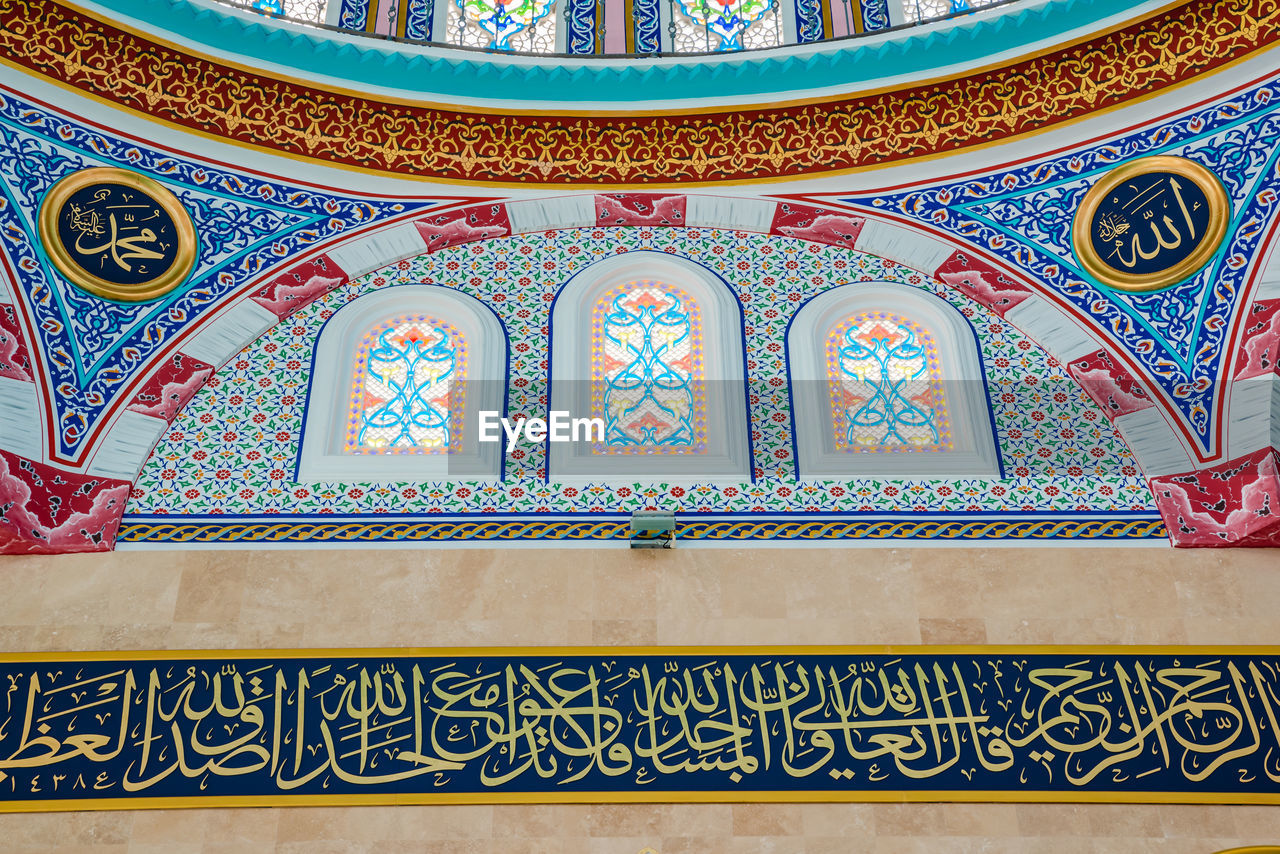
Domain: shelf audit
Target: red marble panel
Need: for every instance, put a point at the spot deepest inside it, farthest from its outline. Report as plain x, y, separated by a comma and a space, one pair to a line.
44, 510
453, 228
300, 286
1111, 387
14, 361
1260, 351
640, 209
821, 226
171, 386
982, 282
1233, 504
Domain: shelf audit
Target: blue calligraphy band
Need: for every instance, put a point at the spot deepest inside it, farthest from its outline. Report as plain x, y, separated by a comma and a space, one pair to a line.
1125, 724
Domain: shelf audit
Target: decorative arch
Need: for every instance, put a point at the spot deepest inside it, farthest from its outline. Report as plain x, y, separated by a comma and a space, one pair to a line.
397, 382
651, 344
200, 350
886, 380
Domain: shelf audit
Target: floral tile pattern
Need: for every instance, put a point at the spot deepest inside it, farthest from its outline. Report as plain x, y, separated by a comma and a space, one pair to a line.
233, 449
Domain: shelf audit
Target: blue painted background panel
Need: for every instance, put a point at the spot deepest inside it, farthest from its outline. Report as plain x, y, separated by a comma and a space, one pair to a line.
744, 724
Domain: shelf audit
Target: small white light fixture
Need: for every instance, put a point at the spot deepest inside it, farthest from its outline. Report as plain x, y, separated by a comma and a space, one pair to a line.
653, 529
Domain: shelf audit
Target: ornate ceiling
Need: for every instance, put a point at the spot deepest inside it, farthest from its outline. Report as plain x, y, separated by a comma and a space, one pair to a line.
989, 165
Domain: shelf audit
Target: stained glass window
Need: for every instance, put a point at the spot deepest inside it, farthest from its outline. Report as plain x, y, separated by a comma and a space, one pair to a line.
523, 26
301, 10
720, 25
646, 370
407, 389
922, 10
886, 385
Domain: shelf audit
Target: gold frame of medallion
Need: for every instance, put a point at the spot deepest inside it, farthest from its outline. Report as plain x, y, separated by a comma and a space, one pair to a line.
51, 205
1219, 214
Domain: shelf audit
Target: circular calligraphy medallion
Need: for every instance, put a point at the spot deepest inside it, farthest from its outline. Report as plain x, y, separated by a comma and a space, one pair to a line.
1150, 223
117, 234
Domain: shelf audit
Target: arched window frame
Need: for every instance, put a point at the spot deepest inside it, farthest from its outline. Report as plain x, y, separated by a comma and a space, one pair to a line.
727, 456
322, 458
974, 450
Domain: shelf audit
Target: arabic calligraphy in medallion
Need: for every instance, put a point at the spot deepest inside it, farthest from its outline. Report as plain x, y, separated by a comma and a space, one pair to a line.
1150, 223
117, 234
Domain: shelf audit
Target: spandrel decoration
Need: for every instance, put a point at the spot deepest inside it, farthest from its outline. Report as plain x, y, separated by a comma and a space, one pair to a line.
117, 234
1150, 223
1118, 724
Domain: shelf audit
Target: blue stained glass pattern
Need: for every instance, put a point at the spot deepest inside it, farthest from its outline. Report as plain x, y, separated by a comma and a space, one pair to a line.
525, 26
721, 25
886, 386
406, 388
923, 10
647, 375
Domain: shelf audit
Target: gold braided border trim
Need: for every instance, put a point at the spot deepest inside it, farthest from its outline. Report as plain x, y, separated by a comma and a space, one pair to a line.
499, 530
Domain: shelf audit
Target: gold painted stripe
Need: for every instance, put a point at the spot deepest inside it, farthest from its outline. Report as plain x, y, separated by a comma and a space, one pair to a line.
402, 17
628, 10
644, 797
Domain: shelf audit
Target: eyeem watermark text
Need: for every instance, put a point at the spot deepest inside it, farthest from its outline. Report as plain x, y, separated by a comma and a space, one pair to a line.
559, 428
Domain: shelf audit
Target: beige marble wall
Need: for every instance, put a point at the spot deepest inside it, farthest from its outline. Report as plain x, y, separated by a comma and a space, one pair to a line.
386, 597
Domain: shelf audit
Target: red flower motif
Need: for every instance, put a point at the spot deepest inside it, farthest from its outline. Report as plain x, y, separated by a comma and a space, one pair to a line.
649, 421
